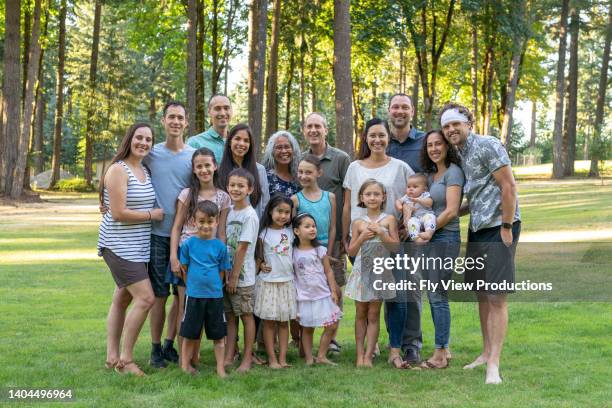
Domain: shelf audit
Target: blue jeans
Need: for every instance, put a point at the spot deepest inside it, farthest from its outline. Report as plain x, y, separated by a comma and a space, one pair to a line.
445, 244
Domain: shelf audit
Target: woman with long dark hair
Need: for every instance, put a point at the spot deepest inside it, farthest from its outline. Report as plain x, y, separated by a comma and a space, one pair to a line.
374, 163
239, 153
445, 179
127, 193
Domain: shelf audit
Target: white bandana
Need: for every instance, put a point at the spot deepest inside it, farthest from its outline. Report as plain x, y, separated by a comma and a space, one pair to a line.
452, 115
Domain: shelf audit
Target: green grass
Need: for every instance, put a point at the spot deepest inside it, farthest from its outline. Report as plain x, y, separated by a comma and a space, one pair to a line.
55, 296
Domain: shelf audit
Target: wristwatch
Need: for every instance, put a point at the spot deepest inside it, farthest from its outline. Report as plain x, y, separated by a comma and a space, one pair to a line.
506, 225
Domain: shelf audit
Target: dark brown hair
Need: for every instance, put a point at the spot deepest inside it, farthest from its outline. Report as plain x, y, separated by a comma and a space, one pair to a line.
312, 159
125, 148
451, 154
208, 208
249, 163
194, 181
364, 149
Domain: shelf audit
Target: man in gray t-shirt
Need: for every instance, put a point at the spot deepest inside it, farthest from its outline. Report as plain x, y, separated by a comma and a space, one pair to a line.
494, 225
334, 163
170, 165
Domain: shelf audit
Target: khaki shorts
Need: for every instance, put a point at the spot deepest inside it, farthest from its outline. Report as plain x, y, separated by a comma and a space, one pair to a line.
241, 302
338, 264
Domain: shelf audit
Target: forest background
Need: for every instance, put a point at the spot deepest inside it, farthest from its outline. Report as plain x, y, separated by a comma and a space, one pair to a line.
77, 73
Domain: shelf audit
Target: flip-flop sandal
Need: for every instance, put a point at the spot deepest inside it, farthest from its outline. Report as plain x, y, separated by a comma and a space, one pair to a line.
402, 366
428, 365
258, 361
110, 364
122, 365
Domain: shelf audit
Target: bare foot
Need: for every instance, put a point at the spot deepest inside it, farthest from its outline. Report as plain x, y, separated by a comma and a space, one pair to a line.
310, 362
367, 362
426, 235
284, 364
221, 372
480, 360
190, 370
359, 362
258, 361
325, 360
493, 376
275, 365
245, 366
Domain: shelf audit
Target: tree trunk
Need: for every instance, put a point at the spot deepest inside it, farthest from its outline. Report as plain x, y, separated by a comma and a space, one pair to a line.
401, 86
288, 92
36, 144
601, 98
519, 42
214, 46
199, 123
415, 98
560, 93
488, 94
474, 72
374, 101
91, 103
59, 93
572, 105
230, 24
19, 181
342, 75
272, 82
11, 93
532, 138
192, 50
27, 32
258, 21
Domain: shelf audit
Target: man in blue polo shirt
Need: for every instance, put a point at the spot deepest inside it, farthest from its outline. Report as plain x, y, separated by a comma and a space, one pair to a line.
405, 144
219, 114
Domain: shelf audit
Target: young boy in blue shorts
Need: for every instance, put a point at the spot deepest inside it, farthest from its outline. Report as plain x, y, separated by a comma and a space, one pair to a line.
204, 260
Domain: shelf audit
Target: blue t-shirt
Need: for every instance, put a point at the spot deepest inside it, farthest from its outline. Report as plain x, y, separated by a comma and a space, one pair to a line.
170, 173
408, 151
205, 258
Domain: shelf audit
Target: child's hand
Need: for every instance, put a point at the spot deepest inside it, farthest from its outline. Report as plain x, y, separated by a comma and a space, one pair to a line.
231, 285
367, 233
265, 268
175, 266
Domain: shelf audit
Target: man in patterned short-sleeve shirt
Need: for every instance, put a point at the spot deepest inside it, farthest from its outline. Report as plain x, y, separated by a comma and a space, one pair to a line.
494, 226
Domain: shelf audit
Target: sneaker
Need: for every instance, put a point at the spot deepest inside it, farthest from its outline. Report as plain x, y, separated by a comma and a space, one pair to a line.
334, 347
157, 359
412, 356
170, 354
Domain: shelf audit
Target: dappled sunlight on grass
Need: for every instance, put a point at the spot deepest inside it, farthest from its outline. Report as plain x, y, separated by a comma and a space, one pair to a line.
26, 257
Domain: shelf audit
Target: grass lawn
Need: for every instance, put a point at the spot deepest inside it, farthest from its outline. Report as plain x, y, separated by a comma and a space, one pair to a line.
56, 294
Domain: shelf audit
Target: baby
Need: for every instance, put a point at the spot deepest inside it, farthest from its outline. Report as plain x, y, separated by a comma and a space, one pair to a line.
415, 206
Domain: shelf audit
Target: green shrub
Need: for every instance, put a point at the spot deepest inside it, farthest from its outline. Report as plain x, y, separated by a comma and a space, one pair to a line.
73, 185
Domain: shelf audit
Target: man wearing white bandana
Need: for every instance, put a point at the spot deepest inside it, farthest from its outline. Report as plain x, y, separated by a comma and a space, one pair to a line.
494, 230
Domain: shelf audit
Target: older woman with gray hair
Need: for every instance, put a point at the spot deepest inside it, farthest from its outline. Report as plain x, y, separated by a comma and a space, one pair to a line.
281, 160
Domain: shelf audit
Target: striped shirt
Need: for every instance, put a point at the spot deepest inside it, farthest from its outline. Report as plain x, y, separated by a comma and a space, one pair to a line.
129, 240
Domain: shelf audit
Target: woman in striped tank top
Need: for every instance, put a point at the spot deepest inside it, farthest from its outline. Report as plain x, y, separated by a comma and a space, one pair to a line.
125, 233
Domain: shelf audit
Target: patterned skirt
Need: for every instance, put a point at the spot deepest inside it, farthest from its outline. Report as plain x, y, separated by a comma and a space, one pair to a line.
318, 313
275, 301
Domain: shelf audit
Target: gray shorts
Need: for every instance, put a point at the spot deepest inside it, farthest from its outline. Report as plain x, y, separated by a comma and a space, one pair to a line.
125, 273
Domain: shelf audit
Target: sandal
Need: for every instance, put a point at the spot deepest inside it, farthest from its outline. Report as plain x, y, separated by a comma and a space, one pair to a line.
402, 366
110, 364
129, 367
428, 365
